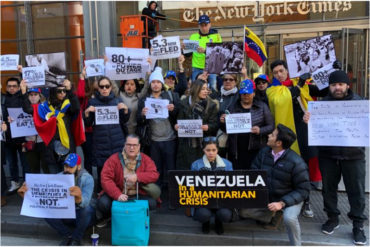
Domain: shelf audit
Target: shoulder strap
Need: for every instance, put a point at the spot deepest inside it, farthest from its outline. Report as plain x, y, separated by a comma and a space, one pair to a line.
170, 95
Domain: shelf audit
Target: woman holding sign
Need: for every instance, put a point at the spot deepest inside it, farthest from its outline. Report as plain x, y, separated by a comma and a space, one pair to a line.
243, 147
211, 161
107, 122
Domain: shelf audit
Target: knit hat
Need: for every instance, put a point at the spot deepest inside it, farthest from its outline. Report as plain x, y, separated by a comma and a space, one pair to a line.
156, 75
34, 90
338, 76
262, 77
246, 87
72, 160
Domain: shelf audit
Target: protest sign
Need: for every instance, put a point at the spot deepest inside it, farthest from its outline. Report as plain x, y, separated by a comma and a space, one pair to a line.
190, 45
321, 76
157, 108
34, 76
48, 196
106, 115
238, 123
126, 63
343, 123
165, 47
190, 128
223, 58
307, 56
22, 124
9, 62
94, 67
218, 189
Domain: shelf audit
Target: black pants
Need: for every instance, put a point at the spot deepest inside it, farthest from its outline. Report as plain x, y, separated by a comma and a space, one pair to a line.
204, 215
353, 172
164, 156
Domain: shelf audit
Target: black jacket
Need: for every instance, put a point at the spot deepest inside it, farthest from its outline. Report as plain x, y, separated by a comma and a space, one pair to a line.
343, 153
154, 14
11, 101
287, 178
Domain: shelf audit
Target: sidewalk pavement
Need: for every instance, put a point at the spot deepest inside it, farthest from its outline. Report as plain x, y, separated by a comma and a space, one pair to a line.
172, 227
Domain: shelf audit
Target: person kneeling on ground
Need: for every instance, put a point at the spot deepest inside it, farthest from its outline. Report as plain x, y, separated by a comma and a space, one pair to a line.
82, 192
287, 178
211, 161
120, 174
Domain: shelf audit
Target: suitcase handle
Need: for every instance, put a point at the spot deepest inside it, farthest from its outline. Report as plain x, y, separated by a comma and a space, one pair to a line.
137, 189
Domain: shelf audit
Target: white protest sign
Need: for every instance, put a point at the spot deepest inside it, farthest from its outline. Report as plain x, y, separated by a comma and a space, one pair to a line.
165, 47
9, 62
343, 123
106, 115
190, 45
126, 63
94, 67
22, 124
190, 128
48, 196
34, 76
321, 76
238, 123
157, 108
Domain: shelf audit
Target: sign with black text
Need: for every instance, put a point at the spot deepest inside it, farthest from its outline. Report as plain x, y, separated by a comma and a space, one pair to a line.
190, 128
321, 76
238, 123
106, 115
9, 62
22, 123
165, 47
218, 189
34, 76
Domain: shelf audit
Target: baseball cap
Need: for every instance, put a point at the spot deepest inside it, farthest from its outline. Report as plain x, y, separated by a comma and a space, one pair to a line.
34, 90
204, 19
246, 87
262, 77
72, 160
171, 73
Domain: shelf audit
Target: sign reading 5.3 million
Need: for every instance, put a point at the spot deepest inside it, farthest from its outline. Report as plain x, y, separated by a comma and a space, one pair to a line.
165, 47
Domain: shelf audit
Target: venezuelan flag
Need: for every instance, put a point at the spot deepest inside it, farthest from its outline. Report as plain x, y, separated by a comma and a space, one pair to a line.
254, 47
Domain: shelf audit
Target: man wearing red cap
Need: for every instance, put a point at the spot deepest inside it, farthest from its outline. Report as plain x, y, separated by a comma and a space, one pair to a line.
82, 191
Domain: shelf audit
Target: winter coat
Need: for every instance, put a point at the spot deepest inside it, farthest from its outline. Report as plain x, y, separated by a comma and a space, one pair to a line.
227, 102
199, 165
86, 183
343, 153
112, 177
108, 138
287, 178
154, 14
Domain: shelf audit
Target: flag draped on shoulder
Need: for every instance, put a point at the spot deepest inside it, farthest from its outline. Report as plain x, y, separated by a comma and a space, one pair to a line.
254, 47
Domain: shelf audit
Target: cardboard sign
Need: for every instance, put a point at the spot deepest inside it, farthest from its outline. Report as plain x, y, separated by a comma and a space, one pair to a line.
106, 115
321, 76
95, 67
22, 124
238, 123
343, 123
165, 47
157, 108
190, 128
48, 196
9, 62
218, 189
126, 63
224, 58
34, 76
190, 46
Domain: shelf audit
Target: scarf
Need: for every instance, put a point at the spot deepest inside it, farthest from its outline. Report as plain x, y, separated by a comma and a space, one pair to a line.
130, 167
228, 92
219, 162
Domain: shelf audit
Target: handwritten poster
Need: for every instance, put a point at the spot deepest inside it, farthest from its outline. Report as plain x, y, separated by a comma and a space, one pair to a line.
22, 124
157, 108
94, 67
48, 196
190, 46
34, 76
106, 115
238, 123
342, 123
190, 128
9, 62
321, 76
165, 47
126, 63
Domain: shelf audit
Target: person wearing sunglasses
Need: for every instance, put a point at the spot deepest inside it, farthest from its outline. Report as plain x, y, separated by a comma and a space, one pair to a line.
262, 83
107, 138
243, 147
211, 161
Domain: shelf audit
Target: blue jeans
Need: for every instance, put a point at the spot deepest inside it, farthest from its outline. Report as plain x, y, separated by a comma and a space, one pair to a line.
84, 218
212, 78
290, 216
164, 156
11, 151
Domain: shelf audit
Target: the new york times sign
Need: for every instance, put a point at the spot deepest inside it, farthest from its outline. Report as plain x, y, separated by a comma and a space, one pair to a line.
218, 189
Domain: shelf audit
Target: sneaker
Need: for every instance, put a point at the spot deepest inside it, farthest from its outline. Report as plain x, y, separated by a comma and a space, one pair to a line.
103, 222
329, 226
359, 237
206, 227
307, 212
13, 186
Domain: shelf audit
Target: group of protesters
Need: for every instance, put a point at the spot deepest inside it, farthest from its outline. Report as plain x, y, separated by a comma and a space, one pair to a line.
141, 150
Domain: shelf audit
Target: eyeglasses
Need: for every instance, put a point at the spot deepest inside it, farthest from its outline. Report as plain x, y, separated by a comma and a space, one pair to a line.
229, 79
104, 86
10, 86
61, 91
210, 139
132, 145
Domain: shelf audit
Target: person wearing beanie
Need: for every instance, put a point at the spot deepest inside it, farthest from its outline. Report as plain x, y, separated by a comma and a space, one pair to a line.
159, 140
72, 230
347, 162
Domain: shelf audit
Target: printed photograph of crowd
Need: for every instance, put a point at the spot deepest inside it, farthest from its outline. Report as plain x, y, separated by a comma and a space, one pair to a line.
224, 58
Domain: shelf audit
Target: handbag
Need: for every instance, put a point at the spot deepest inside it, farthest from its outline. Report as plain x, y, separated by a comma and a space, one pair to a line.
144, 133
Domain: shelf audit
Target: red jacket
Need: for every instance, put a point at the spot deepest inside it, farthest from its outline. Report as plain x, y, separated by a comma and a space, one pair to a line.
112, 175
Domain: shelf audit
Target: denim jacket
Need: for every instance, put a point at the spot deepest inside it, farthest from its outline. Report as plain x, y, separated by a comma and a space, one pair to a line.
86, 183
